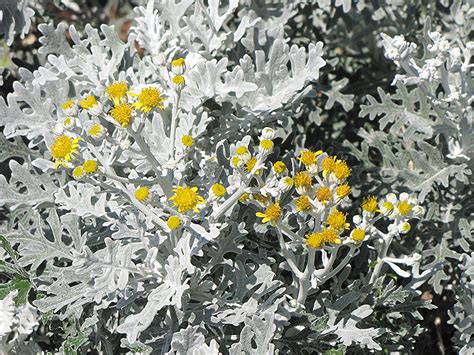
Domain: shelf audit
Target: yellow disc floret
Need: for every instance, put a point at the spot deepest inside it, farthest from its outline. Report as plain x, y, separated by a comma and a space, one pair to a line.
89, 102
302, 179
358, 234
63, 149
314, 240
404, 208
218, 190
337, 220
266, 144
370, 204
323, 194
343, 190
173, 222
328, 235
67, 105
241, 150
328, 164
341, 170
308, 157
148, 99
122, 114
78, 172
186, 199
303, 203
187, 141
250, 165
117, 91
96, 130
279, 167
272, 213
90, 166
142, 193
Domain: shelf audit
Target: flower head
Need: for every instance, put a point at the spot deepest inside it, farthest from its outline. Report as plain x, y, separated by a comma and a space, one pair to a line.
96, 131
117, 91
337, 220
303, 182
69, 107
187, 141
122, 114
142, 193
341, 170
308, 157
148, 99
186, 199
303, 203
328, 235
173, 222
272, 213
90, 166
279, 167
250, 165
178, 82
323, 194
343, 190
78, 172
358, 234
266, 146
178, 66
64, 149
218, 190
328, 164
89, 102
370, 204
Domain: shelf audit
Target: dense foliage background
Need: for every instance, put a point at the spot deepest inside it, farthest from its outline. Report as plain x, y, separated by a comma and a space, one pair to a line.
385, 85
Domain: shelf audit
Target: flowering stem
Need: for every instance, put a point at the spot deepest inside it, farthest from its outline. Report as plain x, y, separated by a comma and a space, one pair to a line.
174, 123
386, 241
228, 203
305, 280
341, 265
289, 256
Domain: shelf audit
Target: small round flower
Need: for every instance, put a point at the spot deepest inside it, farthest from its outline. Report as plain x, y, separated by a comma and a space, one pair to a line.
370, 204
64, 149
148, 99
78, 172
343, 190
265, 146
91, 104
250, 165
235, 161
341, 170
122, 114
303, 203
178, 66
337, 220
96, 131
404, 208
142, 193
69, 108
187, 141
303, 182
272, 213
218, 190
90, 166
69, 122
279, 167
358, 234
328, 164
285, 184
244, 197
243, 152
178, 82
404, 228
308, 157
186, 199
324, 194
268, 133
117, 91
173, 222
314, 240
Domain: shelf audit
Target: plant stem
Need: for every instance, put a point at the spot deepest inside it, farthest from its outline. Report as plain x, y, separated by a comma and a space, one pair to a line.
174, 123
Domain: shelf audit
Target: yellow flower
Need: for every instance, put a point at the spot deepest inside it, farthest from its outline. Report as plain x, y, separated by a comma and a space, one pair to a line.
142, 193
178, 82
187, 141
235, 161
148, 99
308, 157
63, 149
323, 194
337, 220
244, 197
260, 198
89, 102
314, 240
341, 170
343, 190
218, 190
405, 228
78, 172
241, 150
173, 222
386, 207
303, 203
186, 199
328, 165
68, 105
279, 167
122, 114
370, 204
250, 165
96, 130
358, 234
117, 91
404, 208
266, 145
178, 66
90, 166
328, 235
302, 180
272, 213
